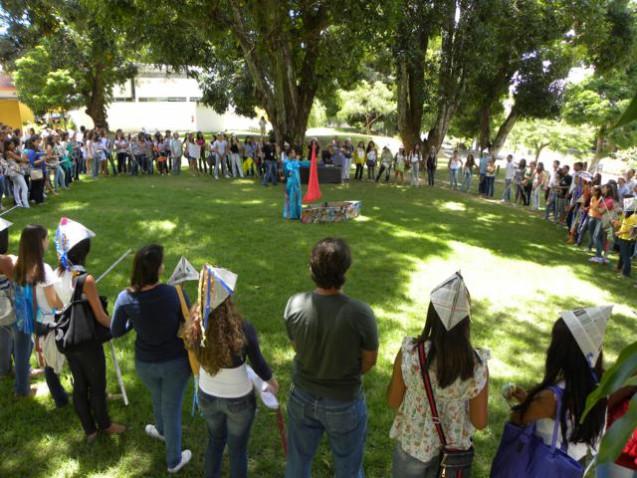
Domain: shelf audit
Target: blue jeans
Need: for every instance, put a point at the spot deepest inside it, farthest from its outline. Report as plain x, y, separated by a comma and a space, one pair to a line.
270, 173
406, 466
229, 421
466, 183
506, 195
22, 348
345, 424
60, 178
177, 165
453, 178
626, 251
167, 382
490, 186
6, 350
595, 235
551, 206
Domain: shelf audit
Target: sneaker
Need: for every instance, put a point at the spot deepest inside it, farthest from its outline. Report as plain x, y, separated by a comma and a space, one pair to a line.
595, 259
186, 455
152, 432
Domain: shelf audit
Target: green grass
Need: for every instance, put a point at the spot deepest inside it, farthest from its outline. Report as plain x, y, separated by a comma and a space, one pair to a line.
518, 269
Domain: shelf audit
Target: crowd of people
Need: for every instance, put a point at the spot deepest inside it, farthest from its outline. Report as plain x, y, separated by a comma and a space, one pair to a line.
438, 387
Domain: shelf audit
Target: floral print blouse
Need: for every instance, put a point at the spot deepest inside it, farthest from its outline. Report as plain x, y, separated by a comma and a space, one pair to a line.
413, 427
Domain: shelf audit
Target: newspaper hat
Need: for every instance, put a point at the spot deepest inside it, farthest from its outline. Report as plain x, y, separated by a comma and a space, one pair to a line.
452, 301
4, 224
184, 272
68, 234
629, 204
215, 286
588, 327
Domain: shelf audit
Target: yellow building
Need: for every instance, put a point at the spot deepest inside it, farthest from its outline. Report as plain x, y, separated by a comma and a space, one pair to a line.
12, 112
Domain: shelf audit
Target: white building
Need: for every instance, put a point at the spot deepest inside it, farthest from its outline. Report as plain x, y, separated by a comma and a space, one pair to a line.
156, 100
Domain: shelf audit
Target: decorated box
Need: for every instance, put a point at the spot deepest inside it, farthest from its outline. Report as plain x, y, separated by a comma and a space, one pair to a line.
337, 211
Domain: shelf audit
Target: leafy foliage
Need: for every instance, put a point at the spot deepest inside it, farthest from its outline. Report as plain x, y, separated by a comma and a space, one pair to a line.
366, 104
558, 136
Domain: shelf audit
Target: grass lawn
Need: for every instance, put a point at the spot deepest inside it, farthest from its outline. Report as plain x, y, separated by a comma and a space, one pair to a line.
517, 267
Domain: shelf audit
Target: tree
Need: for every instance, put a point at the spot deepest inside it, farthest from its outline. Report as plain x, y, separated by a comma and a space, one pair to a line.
82, 36
366, 104
276, 54
42, 88
537, 135
599, 101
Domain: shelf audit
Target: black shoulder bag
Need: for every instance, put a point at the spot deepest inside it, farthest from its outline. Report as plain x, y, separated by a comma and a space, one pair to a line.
76, 325
453, 463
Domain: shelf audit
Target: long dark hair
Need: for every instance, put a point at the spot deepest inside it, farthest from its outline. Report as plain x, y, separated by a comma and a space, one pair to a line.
566, 362
77, 254
452, 350
30, 255
146, 266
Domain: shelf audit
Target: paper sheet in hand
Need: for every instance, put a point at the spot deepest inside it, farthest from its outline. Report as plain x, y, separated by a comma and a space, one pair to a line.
267, 397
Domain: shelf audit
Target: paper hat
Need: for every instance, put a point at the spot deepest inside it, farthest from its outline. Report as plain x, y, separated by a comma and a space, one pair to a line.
586, 176
69, 233
184, 272
588, 327
452, 301
215, 286
4, 224
629, 204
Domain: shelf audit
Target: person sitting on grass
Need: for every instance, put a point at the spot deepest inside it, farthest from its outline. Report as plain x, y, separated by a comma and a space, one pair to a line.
154, 311
573, 368
222, 341
459, 379
335, 339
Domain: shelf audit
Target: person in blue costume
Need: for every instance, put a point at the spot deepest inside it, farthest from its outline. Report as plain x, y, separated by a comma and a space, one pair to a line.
291, 169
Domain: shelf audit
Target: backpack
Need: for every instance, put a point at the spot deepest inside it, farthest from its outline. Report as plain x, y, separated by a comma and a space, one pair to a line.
76, 325
7, 311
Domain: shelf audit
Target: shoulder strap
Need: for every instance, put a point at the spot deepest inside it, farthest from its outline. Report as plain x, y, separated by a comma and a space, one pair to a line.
430, 394
79, 286
558, 393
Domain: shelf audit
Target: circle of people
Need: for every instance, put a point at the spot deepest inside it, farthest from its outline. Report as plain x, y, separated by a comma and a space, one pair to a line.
438, 387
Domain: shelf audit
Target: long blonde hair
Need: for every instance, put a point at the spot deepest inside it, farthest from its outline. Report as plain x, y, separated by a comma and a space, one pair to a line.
223, 339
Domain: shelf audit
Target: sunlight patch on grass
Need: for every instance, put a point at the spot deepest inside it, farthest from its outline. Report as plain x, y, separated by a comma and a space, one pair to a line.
71, 206
159, 226
453, 206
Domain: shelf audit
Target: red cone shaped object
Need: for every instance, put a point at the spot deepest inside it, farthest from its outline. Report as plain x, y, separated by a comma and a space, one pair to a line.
313, 189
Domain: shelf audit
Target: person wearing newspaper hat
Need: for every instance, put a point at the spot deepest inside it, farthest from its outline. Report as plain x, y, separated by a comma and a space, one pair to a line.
222, 341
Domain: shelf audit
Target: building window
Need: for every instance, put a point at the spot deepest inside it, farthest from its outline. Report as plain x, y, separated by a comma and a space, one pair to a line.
195, 99
122, 100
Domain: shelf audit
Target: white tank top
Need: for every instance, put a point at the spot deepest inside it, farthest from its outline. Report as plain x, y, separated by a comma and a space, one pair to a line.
227, 383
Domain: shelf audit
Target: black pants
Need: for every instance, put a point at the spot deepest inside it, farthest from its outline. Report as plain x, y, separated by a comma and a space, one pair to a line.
431, 174
203, 164
383, 169
37, 191
121, 162
626, 251
370, 171
359, 172
88, 367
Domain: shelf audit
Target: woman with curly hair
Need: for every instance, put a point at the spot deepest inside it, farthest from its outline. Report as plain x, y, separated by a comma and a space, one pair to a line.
221, 340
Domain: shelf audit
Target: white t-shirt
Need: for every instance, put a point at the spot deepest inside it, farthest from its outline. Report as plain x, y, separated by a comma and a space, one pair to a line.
510, 171
64, 286
227, 383
219, 147
194, 150
46, 313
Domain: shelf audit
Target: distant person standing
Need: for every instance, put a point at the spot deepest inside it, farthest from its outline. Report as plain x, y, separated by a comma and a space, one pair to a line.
262, 125
336, 341
454, 169
468, 173
509, 176
176, 152
432, 165
415, 158
484, 161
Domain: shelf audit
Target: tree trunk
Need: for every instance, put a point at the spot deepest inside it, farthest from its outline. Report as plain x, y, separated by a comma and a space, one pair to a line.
411, 46
539, 150
503, 132
600, 139
485, 126
96, 101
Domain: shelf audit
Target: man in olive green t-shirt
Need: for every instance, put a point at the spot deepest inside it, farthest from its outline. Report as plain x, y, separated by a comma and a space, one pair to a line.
336, 342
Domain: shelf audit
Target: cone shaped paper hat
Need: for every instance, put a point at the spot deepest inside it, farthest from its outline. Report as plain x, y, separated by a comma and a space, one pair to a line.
629, 204
4, 224
452, 301
588, 327
68, 234
215, 286
184, 272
